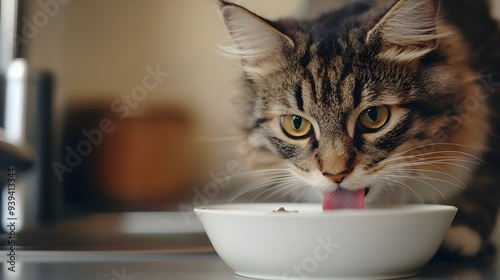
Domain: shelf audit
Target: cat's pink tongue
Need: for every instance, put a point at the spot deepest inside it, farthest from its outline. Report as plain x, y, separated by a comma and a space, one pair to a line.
344, 199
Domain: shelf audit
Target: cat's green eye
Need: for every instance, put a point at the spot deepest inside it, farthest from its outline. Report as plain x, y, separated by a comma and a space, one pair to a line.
373, 119
296, 127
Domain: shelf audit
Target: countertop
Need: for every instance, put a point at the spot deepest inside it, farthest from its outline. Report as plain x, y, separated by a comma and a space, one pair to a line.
179, 257
47, 265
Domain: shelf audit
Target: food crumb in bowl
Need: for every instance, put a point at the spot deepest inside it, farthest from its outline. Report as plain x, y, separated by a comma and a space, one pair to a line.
282, 209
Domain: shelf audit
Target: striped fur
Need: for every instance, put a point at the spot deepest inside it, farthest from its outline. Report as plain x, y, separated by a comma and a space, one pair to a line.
404, 55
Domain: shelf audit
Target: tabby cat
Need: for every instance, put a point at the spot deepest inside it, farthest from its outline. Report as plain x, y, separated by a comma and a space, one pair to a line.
389, 97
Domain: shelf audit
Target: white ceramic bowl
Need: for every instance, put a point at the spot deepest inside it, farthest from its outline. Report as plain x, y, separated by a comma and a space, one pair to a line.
375, 243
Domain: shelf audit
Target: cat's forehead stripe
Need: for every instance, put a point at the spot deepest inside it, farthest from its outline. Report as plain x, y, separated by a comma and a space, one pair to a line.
347, 69
347, 87
299, 97
356, 93
305, 59
326, 89
327, 79
310, 80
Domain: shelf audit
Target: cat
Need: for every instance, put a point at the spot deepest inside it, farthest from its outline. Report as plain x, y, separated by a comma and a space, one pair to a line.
392, 97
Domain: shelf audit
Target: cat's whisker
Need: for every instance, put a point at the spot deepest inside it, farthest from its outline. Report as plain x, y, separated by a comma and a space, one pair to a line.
296, 186
309, 192
455, 162
441, 159
463, 162
261, 172
432, 162
402, 164
283, 187
456, 158
301, 193
421, 176
306, 192
381, 187
277, 187
423, 156
267, 181
390, 193
407, 186
451, 163
442, 181
401, 154
418, 171
464, 188
252, 186
433, 144
421, 181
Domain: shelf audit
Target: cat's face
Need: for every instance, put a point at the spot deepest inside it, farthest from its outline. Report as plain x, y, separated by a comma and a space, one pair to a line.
349, 98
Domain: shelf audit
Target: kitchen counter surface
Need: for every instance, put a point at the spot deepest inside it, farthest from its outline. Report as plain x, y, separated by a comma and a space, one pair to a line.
158, 265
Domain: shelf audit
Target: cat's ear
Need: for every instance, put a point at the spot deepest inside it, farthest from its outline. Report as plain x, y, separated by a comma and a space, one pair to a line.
408, 31
259, 45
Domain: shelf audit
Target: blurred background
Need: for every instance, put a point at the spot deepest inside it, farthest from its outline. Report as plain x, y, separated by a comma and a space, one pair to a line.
125, 115
127, 110
153, 69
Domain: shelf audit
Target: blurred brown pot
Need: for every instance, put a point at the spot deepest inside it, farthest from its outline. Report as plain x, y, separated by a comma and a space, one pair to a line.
147, 159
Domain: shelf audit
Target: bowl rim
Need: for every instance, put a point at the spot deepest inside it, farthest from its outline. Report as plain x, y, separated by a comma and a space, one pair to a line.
375, 210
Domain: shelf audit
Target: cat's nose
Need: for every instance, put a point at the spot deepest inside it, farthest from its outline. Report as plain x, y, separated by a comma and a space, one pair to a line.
337, 178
